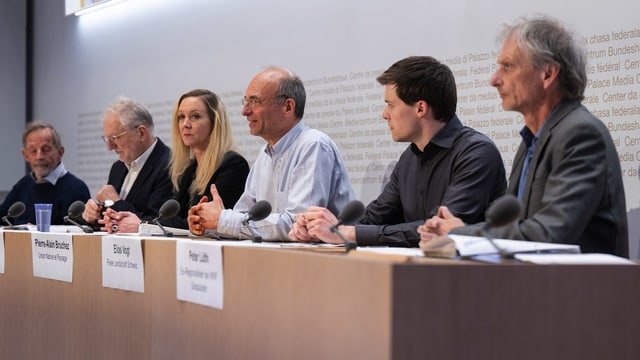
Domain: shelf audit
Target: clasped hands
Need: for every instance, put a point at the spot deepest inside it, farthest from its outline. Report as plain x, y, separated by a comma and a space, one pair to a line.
119, 221
315, 225
438, 225
205, 214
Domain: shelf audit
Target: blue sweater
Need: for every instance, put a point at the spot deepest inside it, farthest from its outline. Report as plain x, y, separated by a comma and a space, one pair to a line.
68, 189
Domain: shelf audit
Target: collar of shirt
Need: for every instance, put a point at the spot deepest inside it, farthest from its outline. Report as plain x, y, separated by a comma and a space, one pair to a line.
138, 163
443, 139
53, 176
528, 137
286, 140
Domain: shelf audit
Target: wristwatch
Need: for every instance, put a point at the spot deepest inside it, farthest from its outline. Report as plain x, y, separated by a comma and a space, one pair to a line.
105, 205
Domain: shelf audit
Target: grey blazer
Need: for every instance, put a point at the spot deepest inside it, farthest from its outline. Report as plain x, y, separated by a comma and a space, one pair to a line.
573, 192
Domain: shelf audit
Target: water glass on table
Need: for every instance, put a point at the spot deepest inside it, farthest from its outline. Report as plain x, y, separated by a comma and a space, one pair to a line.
43, 217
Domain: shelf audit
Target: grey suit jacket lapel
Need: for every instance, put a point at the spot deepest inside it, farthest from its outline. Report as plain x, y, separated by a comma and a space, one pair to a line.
545, 136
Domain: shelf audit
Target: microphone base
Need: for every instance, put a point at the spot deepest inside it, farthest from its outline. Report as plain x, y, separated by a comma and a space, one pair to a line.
256, 237
484, 232
85, 229
167, 234
164, 231
348, 244
16, 227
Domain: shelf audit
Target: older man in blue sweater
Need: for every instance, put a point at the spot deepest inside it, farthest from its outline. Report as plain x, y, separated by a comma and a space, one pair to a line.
48, 182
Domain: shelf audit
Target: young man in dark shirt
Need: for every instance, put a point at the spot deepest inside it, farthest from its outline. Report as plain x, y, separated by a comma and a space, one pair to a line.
445, 164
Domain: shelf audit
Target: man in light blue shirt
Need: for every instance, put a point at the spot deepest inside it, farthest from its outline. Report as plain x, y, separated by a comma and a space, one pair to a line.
297, 168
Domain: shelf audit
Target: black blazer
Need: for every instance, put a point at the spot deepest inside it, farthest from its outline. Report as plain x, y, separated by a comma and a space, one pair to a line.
151, 188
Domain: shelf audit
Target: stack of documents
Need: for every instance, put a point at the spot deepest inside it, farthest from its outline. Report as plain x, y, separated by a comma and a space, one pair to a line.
533, 252
574, 259
473, 245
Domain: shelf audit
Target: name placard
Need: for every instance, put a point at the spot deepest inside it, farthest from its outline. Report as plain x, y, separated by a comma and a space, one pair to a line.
199, 277
122, 263
52, 255
1, 251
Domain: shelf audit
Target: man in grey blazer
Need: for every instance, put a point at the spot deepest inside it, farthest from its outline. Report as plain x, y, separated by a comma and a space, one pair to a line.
566, 172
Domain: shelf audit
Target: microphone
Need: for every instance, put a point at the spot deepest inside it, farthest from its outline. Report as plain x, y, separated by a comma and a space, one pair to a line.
502, 212
257, 212
169, 209
16, 209
349, 214
75, 211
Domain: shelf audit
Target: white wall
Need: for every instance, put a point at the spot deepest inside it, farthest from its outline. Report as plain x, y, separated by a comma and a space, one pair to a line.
12, 90
156, 50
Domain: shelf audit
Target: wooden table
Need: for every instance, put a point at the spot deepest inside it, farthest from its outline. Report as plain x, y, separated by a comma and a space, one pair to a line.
294, 304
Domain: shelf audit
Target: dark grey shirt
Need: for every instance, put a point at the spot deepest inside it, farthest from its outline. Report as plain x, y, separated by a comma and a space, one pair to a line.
460, 168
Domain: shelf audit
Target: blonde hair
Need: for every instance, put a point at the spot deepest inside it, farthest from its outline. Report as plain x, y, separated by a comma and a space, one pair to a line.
220, 141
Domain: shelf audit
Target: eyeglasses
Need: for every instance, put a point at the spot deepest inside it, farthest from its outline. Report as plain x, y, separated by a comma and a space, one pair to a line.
112, 138
254, 101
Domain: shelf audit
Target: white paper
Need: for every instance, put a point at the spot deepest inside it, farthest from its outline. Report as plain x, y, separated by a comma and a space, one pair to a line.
308, 245
474, 245
391, 250
122, 263
73, 229
52, 255
199, 276
152, 229
574, 259
1, 251
240, 243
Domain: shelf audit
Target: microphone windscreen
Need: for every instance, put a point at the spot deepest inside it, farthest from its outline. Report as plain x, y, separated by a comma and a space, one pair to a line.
259, 210
503, 211
169, 209
76, 209
16, 209
351, 212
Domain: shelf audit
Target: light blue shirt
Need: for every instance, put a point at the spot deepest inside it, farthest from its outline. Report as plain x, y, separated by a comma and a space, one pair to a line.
304, 168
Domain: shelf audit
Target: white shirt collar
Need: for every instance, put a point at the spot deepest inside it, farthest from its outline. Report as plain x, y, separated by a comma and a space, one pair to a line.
138, 163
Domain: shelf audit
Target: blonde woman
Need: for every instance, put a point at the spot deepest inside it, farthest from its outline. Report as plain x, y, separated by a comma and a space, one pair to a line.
203, 153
